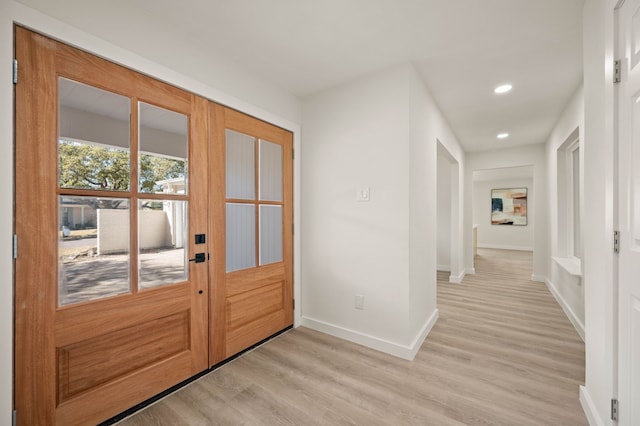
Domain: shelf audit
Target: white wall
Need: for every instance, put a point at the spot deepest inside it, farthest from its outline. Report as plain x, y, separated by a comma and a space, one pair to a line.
378, 132
529, 155
356, 136
567, 289
423, 151
146, 46
113, 230
600, 304
6, 215
144, 35
443, 211
499, 236
429, 133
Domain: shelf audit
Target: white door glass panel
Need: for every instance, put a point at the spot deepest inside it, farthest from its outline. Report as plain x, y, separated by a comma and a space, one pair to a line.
270, 171
162, 234
93, 139
241, 236
240, 166
163, 144
270, 234
93, 248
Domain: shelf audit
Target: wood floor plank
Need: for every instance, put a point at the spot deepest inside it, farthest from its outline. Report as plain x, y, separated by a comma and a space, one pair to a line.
501, 353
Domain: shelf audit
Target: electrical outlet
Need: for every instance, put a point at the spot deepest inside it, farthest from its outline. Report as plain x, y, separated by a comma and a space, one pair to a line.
359, 301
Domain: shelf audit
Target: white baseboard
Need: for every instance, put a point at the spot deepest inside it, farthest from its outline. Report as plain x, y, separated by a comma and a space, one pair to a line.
407, 352
505, 247
538, 278
589, 408
470, 271
577, 324
443, 268
457, 279
416, 344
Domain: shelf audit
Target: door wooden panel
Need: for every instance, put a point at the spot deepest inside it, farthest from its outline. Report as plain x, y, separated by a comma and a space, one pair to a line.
250, 304
82, 363
95, 361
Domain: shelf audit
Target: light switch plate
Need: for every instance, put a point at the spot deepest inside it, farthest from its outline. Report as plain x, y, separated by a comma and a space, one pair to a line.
362, 194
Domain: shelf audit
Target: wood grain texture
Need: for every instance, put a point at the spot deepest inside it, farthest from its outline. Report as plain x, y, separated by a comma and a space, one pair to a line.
76, 323
252, 305
217, 227
82, 344
199, 224
35, 192
502, 353
92, 362
247, 304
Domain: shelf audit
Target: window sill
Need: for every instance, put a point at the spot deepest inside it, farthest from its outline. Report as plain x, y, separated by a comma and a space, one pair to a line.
572, 265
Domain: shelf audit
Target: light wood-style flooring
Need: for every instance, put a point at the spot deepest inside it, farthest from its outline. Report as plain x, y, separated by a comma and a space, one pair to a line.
502, 353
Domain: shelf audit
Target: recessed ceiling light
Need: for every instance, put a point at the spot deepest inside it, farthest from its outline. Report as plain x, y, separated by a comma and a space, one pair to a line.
503, 135
504, 88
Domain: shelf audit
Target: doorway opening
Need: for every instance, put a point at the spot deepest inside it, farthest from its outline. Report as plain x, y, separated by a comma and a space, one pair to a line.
449, 216
502, 209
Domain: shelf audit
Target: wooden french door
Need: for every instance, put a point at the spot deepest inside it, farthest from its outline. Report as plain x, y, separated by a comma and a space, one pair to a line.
111, 192
126, 187
252, 223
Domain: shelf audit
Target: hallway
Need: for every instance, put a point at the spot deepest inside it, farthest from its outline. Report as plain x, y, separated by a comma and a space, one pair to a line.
521, 356
502, 352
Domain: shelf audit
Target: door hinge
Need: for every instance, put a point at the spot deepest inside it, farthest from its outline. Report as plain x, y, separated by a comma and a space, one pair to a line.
293, 229
293, 304
293, 154
15, 246
616, 241
14, 418
15, 71
617, 71
614, 409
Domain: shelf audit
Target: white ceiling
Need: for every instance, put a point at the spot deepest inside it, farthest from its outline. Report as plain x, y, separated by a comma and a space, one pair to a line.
462, 49
102, 103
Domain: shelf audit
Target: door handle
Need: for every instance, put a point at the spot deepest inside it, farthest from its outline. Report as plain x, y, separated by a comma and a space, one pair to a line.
200, 257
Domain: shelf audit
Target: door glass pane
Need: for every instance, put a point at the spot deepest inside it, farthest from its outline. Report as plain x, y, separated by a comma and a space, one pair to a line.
93, 140
270, 171
93, 248
241, 236
240, 166
161, 242
270, 234
163, 143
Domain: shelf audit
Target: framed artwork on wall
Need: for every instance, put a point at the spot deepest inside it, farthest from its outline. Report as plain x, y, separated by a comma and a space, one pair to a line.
509, 206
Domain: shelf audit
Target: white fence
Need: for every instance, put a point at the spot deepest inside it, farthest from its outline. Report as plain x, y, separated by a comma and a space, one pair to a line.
156, 230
